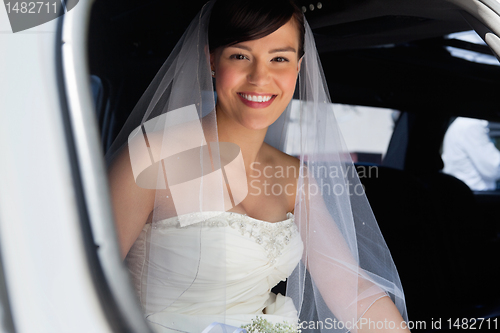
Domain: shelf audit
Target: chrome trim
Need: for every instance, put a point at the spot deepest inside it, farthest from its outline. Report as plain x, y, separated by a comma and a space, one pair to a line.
93, 171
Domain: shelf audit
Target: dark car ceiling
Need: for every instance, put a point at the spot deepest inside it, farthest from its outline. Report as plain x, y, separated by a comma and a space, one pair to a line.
338, 25
130, 39
341, 25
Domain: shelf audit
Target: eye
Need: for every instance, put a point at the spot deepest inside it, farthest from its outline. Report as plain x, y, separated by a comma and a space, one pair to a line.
280, 59
238, 57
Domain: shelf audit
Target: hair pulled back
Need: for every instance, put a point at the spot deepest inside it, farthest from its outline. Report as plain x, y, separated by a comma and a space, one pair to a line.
236, 21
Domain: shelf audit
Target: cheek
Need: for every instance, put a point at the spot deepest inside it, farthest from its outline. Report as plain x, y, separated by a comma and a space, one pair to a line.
288, 83
226, 79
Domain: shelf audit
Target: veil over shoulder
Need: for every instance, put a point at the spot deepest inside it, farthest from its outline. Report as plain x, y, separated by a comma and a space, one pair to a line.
198, 262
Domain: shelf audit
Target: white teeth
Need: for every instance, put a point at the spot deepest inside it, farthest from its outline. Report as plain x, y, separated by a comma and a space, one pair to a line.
254, 98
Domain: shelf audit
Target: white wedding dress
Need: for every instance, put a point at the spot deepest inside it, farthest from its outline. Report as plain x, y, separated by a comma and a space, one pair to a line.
179, 298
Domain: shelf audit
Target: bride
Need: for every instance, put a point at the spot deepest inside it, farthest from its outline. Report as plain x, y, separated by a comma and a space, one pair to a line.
210, 211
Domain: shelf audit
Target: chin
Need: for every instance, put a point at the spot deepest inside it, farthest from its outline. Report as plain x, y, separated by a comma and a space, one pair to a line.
257, 124
261, 119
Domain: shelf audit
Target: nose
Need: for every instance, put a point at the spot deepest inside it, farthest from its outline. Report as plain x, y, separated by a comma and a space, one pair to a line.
259, 74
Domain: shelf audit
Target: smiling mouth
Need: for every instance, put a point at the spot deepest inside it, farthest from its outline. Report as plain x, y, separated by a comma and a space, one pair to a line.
257, 98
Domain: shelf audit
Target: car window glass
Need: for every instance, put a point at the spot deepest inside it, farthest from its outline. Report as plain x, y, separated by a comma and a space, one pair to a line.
461, 51
494, 134
471, 153
366, 130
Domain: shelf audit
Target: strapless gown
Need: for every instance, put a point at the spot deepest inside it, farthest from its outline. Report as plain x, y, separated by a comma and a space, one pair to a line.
184, 285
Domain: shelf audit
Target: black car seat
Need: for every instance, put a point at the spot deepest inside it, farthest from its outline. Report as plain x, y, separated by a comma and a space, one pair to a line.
407, 218
427, 220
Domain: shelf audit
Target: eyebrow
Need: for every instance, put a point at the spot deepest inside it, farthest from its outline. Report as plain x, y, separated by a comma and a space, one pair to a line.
283, 49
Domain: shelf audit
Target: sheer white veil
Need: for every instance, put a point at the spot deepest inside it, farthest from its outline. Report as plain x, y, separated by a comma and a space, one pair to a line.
172, 139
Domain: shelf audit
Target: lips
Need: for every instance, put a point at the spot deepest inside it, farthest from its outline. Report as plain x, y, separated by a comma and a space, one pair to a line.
257, 101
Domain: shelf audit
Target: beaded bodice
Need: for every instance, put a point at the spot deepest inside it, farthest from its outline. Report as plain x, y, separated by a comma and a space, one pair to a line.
228, 254
273, 237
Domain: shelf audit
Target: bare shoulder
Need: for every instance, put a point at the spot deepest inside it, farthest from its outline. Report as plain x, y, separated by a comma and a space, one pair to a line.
131, 203
287, 169
133, 177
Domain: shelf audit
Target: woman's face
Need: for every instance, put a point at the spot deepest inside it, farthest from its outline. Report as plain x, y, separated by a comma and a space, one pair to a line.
255, 80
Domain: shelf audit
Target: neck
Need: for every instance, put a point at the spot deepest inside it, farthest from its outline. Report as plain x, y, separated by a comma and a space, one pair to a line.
250, 141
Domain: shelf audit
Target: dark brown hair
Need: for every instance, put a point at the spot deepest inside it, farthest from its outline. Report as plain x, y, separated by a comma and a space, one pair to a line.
236, 21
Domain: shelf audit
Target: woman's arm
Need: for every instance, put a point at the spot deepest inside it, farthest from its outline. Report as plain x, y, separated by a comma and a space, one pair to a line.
131, 203
382, 311
346, 289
